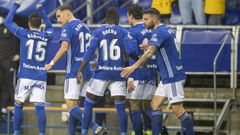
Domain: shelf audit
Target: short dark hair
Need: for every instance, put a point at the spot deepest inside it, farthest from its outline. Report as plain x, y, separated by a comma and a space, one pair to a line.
112, 16
35, 20
153, 11
136, 11
65, 7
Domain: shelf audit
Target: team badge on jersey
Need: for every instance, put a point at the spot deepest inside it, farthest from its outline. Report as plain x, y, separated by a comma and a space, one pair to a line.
64, 33
129, 36
154, 38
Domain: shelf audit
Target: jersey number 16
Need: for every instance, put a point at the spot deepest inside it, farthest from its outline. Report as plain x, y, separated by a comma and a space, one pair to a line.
111, 51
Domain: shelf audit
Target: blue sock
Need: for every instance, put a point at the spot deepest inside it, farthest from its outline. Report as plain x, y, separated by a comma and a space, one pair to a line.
157, 119
146, 121
41, 118
123, 118
137, 122
75, 114
149, 113
87, 115
18, 117
187, 123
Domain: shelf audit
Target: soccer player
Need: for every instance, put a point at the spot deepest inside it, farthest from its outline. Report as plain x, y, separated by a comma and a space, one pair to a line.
110, 40
142, 83
32, 75
74, 41
171, 71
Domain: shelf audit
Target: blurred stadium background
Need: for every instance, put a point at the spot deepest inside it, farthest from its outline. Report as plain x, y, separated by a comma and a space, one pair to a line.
212, 90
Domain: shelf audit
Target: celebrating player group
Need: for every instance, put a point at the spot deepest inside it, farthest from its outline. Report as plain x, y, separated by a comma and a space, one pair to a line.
140, 64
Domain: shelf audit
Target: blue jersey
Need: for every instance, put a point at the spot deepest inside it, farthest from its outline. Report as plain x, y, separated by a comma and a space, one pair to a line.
77, 34
33, 45
149, 71
169, 64
111, 42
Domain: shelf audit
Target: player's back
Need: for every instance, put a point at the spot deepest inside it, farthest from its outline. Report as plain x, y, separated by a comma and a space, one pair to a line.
148, 72
168, 61
77, 34
33, 49
111, 48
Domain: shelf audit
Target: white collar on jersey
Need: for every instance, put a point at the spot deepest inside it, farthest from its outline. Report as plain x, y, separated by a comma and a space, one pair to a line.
72, 20
35, 29
138, 23
160, 24
108, 25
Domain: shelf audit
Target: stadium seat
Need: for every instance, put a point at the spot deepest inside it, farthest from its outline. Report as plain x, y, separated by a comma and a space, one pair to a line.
146, 4
199, 47
81, 14
123, 15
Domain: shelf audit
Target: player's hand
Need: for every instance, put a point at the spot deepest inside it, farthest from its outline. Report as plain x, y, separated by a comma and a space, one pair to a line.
127, 71
18, 2
38, 5
48, 67
16, 57
144, 44
93, 64
130, 86
79, 77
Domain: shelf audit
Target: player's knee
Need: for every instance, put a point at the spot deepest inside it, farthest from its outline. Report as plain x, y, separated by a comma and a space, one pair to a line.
71, 103
145, 104
134, 104
178, 109
119, 98
92, 96
154, 105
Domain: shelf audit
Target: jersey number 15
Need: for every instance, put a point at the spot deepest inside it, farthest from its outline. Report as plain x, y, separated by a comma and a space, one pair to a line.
39, 53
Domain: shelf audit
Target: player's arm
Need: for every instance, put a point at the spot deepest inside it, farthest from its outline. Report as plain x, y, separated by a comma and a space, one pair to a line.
88, 55
63, 49
130, 45
143, 59
8, 22
158, 37
46, 20
146, 56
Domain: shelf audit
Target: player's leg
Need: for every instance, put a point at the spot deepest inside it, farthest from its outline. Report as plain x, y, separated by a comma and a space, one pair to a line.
155, 113
41, 117
95, 90
145, 105
177, 96
148, 92
184, 117
98, 130
136, 116
100, 118
18, 116
118, 92
135, 97
71, 95
74, 113
38, 97
22, 91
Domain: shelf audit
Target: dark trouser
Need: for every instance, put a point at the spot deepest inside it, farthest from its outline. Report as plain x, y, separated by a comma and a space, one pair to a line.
6, 83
